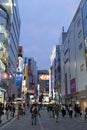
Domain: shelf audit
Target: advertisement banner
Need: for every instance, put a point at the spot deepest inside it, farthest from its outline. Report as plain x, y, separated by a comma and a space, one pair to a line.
73, 85
18, 80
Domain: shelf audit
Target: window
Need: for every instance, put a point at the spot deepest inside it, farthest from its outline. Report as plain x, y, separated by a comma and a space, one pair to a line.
78, 22
79, 34
80, 46
65, 51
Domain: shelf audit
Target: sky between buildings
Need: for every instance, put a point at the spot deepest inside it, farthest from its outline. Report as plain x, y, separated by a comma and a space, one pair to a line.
41, 26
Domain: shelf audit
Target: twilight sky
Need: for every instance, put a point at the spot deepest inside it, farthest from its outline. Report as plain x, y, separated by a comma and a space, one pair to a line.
41, 26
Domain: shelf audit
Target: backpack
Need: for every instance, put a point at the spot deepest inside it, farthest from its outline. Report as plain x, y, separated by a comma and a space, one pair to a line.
35, 110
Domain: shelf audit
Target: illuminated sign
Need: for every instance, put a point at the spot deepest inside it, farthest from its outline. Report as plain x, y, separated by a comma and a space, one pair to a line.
18, 80
20, 64
44, 77
31, 91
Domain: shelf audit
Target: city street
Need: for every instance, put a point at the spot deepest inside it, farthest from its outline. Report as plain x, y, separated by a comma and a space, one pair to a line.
46, 123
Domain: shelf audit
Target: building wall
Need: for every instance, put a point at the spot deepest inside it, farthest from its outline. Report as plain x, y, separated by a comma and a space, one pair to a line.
14, 41
11, 22
55, 71
14, 38
73, 58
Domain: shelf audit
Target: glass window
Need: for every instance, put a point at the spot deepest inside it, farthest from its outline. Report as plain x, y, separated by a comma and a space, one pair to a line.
3, 14
79, 34
84, 19
80, 46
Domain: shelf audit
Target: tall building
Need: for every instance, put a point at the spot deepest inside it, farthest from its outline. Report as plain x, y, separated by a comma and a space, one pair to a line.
32, 73
74, 59
29, 85
42, 83
55, 73
19, 71
9, 41
4, 46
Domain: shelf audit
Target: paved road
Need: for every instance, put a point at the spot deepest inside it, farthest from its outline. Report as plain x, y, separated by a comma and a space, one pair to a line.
46, 123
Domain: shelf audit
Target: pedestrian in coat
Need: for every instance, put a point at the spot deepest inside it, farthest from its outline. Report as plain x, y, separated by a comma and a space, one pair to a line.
70, 111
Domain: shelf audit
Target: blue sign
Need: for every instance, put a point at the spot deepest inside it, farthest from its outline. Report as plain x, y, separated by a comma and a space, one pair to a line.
18, 80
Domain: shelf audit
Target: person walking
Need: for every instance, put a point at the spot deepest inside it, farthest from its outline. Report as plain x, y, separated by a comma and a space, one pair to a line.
70, 111
63, 110
53, 111
56, 110
24, 108
50, 110
34, 112
13, 110
7, 111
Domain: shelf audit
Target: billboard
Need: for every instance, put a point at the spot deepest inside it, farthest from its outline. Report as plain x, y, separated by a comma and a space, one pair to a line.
31, 91
44, 77
20, 64
18, 80
73, 85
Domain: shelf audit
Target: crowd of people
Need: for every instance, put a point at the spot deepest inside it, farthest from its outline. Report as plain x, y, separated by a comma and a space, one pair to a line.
70, 110
10, 109
34, 109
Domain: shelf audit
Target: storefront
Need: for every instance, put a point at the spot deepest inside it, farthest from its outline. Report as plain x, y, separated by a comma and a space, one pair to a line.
2, 95
83, 99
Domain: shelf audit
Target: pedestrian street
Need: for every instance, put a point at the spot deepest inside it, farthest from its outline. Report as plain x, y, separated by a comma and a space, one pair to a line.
45, 122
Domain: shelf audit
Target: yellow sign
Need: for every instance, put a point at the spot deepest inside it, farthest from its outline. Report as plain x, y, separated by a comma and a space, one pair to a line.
44, 77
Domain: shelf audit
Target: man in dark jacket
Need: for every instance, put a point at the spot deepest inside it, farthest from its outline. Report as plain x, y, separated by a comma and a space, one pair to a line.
34, 112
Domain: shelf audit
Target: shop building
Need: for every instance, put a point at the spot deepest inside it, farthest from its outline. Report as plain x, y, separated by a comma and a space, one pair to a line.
9, 40
74, 59
55, 74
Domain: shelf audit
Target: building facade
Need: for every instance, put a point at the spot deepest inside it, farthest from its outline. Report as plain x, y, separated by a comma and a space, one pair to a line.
74, 59
42, 83
14, 45
55, 73
9, 41
29, 85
